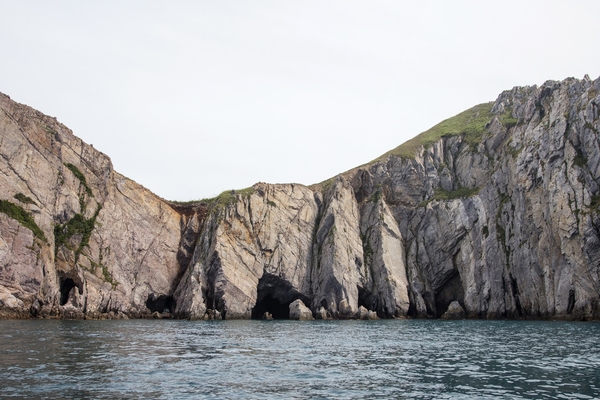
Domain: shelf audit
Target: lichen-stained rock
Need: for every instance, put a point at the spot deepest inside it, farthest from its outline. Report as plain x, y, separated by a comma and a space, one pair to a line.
254, 254
338, 271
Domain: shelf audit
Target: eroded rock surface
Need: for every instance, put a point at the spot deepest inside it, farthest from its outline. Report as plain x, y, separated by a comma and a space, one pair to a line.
498, 213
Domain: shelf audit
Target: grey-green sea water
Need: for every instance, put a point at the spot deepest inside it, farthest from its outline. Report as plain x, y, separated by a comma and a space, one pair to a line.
292, 359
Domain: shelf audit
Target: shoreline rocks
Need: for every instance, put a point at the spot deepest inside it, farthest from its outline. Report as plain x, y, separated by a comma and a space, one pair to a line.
299, 312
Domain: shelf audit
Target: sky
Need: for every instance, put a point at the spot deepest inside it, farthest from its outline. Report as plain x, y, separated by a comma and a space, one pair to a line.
191, 98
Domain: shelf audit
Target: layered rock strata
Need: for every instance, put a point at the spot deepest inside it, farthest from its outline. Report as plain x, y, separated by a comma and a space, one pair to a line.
495, 211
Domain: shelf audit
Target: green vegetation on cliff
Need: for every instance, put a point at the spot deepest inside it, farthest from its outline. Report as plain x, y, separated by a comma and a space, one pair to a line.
79, 175
224, 199
24, 199
78, 225
461, 192
229, 197
23, 217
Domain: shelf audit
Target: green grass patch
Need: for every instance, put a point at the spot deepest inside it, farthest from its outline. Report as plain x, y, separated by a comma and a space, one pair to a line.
24, 199
515, 151
591, 127
580, 160
79, 175
189, 202
376, 196
107, 276
507, 120
228, 197
324, 186
470, 124
23, 217
461, 192
50, 130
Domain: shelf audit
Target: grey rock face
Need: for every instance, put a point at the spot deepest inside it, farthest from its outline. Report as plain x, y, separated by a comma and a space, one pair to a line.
498, 214
339, 270
521, 241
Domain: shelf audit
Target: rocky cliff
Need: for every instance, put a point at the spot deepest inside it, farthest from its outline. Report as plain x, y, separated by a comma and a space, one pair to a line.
496, 209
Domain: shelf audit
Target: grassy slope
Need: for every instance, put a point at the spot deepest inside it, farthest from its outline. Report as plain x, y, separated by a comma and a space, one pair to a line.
224, 199
470, 123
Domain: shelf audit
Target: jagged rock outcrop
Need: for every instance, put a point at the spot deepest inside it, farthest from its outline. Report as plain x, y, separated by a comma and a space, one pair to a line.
495, 210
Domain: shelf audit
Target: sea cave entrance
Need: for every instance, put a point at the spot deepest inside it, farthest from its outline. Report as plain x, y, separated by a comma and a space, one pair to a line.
274, 295
162, 303
450, 291
66, 285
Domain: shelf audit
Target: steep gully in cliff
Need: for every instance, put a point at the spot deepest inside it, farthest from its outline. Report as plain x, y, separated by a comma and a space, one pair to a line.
493, 213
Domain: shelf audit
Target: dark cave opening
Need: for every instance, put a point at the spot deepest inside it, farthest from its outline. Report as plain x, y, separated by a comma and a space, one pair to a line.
571, 304
66, 285
368, 301
274, 295
278, 309
515, 292
162, 303
450, 291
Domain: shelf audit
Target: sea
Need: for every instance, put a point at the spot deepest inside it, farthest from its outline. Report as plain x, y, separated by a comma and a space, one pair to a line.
387, 359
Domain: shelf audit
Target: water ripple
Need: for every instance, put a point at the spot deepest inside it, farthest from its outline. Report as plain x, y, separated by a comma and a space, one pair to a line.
289, 359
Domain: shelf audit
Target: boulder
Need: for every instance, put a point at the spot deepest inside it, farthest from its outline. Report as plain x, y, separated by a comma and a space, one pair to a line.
363, 313
299, 312
267, 315
322, 313
454, 311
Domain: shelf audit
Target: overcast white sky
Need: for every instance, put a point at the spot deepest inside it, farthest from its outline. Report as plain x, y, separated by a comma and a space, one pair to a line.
190, 98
